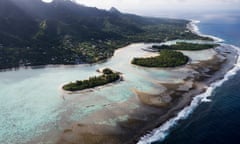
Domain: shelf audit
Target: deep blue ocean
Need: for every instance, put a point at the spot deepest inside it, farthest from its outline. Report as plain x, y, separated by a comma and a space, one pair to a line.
218, 121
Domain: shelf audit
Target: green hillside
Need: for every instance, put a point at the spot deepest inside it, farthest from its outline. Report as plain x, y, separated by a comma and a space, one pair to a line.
63, 32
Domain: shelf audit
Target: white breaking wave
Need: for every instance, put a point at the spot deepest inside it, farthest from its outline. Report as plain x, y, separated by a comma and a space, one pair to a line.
159, 134
194, 28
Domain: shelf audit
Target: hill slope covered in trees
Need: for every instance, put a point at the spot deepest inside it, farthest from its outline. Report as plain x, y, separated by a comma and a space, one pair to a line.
63, 32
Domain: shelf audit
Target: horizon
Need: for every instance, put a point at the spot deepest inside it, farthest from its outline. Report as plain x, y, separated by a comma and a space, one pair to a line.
186, 9
146, 7
118, 71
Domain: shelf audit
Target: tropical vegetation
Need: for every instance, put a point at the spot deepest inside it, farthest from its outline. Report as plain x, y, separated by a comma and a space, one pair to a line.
167, 58
108, 77
63, 32
185, 46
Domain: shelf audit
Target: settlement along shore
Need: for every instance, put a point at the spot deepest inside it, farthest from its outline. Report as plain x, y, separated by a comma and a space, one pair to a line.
153, 109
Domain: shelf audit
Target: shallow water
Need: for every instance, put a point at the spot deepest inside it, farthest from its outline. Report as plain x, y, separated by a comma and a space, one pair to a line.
32, 103
216, 121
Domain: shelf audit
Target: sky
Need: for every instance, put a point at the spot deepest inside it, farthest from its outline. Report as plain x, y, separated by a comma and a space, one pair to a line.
168, 8
151, 7
216, 10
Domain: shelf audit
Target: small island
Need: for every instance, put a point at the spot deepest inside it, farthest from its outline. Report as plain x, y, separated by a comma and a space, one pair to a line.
108, 76
185, 46
167, 58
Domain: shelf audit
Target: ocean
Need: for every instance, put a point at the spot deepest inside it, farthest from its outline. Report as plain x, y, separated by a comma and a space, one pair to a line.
216, 121
32, 104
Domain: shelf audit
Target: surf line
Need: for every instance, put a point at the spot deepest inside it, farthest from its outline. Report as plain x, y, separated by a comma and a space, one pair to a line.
160, 133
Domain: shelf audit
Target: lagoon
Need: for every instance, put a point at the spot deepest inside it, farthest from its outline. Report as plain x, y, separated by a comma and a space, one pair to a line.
32, 103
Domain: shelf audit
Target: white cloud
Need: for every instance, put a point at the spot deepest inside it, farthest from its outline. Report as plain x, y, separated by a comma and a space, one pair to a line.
147, 7
47, 1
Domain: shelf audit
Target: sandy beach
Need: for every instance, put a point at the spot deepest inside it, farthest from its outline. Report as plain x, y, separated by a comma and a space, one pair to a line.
128, 121
117, 124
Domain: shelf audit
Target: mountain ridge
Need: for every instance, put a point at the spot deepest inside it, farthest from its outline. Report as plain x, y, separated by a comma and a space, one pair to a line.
62, 32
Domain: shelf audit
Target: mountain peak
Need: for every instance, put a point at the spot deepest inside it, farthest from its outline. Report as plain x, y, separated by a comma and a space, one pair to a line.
114, 10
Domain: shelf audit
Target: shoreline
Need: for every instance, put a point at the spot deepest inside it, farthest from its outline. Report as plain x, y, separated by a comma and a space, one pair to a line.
69, 65
191, 26
151, 114
165, 124
220, 76
140, 115
153, 120
89, 89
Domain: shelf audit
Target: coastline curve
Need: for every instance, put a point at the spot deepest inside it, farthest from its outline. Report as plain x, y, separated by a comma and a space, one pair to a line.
160, 133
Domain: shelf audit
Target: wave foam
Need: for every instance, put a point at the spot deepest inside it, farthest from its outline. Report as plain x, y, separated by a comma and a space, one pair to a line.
192, 26
159, 134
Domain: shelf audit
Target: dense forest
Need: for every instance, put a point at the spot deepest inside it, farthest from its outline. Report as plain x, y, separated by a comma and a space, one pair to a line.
108, 77
185, 46
167, 58
63, 32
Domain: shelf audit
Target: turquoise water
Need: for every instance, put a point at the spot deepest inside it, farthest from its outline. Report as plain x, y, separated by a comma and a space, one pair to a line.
33, 107
32, 103
215, 122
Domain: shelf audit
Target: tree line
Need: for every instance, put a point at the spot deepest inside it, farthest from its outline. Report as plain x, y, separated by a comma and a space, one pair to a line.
107, 77
167, 58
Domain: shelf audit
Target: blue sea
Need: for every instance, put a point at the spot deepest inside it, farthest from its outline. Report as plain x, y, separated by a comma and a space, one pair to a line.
29, 113
217, 121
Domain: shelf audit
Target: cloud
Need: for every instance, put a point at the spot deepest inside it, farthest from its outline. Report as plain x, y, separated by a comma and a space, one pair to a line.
150, 6
47, 1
